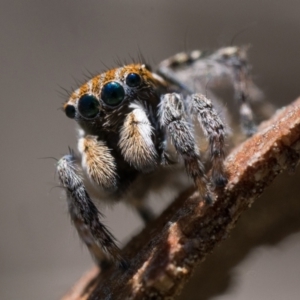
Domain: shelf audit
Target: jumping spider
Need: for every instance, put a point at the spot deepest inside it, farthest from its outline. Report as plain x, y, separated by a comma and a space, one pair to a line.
134, 122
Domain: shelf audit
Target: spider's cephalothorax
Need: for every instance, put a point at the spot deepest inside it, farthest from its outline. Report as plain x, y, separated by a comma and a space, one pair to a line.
133, 123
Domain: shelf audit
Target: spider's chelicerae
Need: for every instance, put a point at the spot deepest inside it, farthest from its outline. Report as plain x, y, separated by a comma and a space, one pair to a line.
136, 124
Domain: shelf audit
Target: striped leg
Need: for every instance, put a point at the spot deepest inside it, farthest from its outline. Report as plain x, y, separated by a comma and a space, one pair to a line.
214, 131
84, 213
172, 118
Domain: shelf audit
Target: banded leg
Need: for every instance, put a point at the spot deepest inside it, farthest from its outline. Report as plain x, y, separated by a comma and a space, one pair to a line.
86, 236
84, 213
172, 118
214, 131
235, 58
167, 68
192, 71
246, 113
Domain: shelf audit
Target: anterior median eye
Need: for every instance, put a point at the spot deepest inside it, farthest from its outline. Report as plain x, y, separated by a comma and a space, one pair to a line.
88, 106
133, 80
112, 93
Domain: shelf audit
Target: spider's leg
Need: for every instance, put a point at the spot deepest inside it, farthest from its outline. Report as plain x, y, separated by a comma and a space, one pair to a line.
241, 81
172, 118
84, 213
168, 66
214, 131
86, 236
192, 71
235, 59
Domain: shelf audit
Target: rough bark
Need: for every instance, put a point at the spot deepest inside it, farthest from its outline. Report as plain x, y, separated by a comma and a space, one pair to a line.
164, 255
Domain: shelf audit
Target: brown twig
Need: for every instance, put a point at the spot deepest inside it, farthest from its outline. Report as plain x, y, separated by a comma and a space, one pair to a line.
164, 255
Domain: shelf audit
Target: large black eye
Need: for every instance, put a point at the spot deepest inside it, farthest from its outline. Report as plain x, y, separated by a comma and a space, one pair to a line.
133, 80
88, 106
112, 93
70, 111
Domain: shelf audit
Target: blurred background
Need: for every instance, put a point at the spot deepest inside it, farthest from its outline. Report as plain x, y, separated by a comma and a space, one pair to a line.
46, 45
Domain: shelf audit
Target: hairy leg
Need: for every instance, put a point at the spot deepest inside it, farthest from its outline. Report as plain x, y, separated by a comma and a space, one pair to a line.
172, 118
235, 59
192, 71
87, 237
84, 213
214, 131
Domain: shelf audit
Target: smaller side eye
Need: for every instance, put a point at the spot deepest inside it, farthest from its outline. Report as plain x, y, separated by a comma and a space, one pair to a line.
133, 80
88, 106
70, 111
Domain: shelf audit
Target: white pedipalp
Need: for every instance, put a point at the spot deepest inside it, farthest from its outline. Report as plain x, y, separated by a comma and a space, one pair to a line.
136, 142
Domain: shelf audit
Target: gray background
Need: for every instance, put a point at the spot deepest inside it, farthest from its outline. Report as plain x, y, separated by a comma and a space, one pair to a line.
44, 46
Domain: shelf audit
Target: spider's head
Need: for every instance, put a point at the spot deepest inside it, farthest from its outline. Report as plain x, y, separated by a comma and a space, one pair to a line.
101, 104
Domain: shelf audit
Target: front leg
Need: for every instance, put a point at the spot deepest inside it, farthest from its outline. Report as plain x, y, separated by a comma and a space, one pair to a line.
86, 236
85, 214
172, 118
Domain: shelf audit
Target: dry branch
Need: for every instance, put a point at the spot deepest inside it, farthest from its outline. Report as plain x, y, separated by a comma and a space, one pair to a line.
164, 255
